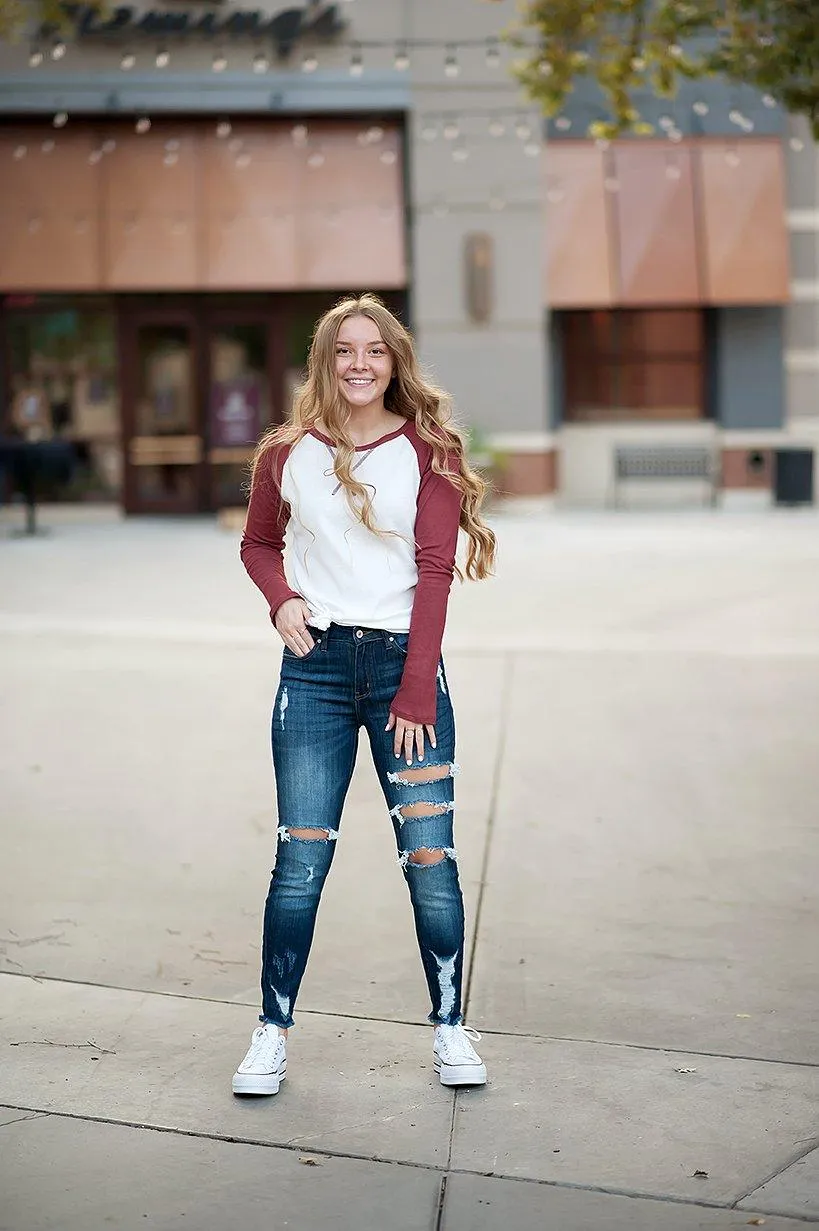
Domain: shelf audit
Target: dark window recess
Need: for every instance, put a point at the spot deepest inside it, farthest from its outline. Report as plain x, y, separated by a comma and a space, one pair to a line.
634, 364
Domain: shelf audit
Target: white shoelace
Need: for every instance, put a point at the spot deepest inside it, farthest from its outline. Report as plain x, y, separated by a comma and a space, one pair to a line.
457, 1045
262, 1043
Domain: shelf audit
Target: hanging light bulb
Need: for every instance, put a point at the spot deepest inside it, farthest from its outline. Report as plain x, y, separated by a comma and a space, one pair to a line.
701, 107
109, 145
429, 132
675, 135
665, 122
260, 62
388, 157
736, 117
356, 62
493, 56
170, 160
563, 123
127, 61
796, 144
94, 157
243, 160
60, 119
531, 149
522, 129
460, 153
299, 134
35, 57
496, 128
451, 65
58, 50
402, 60
451, 130
316, 159
143, 125
375, 134
163, 57
309, 63
768, 100
219, 62
48, 146
223, 129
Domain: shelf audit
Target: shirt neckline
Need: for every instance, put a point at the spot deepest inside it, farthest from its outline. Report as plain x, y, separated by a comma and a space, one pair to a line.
360, 448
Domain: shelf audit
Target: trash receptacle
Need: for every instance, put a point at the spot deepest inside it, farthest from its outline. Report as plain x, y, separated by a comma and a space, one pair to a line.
793, 476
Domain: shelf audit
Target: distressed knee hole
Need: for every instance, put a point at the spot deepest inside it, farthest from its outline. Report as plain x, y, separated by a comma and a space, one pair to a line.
308, 835
426, 856
424, 773
409, 811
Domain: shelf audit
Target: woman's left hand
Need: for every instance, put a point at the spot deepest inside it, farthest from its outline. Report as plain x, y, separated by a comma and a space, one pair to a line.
409, 735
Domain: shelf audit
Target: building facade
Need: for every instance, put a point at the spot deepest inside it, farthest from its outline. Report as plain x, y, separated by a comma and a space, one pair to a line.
187, 187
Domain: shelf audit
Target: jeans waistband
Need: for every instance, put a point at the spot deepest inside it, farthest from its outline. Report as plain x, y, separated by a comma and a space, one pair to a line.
357, 633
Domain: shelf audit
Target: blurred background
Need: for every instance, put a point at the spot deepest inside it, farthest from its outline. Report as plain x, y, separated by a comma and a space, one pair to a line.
186, 187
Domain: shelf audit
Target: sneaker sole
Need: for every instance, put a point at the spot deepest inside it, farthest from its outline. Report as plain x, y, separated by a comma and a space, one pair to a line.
258, 1083
461, 1074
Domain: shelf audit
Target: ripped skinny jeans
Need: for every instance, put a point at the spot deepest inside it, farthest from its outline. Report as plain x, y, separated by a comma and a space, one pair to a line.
350, 678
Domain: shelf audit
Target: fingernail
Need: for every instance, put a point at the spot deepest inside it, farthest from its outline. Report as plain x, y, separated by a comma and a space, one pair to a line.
420, 756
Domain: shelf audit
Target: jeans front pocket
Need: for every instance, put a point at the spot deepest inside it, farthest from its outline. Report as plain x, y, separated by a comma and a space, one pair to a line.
399, 642
316, 634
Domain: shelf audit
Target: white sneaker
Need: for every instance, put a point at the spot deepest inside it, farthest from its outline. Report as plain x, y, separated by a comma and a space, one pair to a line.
455, 1057
264, 1067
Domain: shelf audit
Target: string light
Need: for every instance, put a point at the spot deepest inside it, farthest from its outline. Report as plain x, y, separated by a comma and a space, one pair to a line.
163, 57
796, 144
260, 62
48, 146
402, 60
20, 151
451, 66
316, 159
451, 130
768, 100
94, 157
522, 130
127, 61
219, 62
429, 132
223, 129
665, 122
356, 62
460, 153
531, 149
143, 125
60, 119
701, 107
58, 50
299, 134
310, 62
35, 57
109, 145
388, 157
563, 123
374, 134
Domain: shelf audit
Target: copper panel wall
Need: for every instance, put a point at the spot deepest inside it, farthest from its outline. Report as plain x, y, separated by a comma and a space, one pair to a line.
178, 208
578, 270
351, 221
743, 201
49, 211
655, 233
151, 212
250, 204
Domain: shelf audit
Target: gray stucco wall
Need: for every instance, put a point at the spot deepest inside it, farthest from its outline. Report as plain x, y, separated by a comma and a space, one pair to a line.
749, 390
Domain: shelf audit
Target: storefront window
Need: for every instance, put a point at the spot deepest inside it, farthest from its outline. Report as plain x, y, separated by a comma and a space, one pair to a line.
63, 383
634, 364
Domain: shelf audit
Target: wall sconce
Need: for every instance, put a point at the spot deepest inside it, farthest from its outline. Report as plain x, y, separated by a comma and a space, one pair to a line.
478, 271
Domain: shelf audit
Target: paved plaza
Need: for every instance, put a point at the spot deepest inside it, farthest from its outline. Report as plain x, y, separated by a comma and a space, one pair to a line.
637, 703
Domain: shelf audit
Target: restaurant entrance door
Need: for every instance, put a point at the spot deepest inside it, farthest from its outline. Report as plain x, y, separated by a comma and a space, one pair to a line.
198, 382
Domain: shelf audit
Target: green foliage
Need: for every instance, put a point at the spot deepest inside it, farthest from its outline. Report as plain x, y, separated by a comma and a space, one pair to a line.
628, 46
23, 19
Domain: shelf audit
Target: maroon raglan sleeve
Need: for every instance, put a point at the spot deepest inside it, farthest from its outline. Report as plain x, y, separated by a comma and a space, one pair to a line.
436, 540
262, 544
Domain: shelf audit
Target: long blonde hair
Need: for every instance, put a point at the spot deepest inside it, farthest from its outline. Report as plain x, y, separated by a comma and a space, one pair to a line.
407, 394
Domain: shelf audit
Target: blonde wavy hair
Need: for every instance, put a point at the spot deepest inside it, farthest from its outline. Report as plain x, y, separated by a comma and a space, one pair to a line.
408, 394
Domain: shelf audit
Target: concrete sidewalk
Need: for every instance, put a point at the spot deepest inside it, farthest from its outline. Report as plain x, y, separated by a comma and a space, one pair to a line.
637, 699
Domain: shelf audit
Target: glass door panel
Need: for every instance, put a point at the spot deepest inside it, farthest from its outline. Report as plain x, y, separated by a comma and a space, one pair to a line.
240, 405
165, 448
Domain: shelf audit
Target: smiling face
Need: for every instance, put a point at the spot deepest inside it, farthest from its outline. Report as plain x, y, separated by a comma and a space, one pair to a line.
363, 363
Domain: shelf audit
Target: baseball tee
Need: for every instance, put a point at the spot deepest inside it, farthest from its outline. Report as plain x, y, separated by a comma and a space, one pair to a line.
345, 573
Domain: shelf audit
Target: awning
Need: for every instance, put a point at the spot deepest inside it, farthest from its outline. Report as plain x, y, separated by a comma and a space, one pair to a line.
657, 223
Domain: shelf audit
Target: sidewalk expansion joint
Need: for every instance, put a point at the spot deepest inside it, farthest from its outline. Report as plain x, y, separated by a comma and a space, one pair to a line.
444, 1172
487, 1031
796, 1157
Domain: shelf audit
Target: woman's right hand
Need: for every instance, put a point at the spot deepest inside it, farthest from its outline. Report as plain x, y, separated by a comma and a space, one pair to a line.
291, 624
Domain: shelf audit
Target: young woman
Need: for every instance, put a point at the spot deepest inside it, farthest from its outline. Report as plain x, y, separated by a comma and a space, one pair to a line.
371, 479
